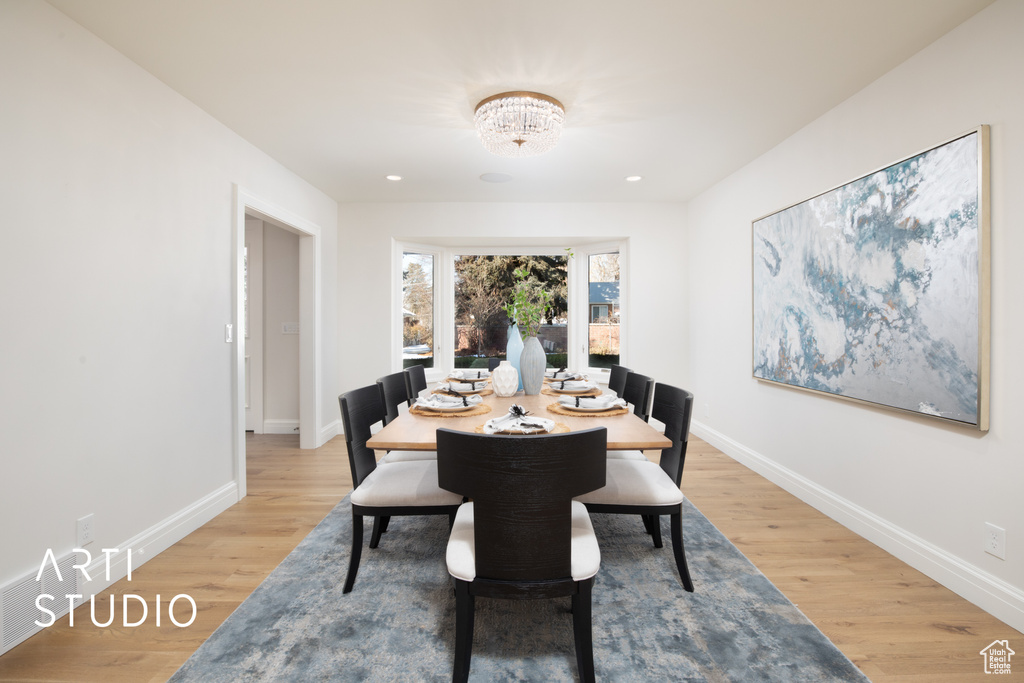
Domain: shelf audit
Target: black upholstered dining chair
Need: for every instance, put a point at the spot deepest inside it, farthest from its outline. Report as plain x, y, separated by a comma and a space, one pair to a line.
415, 381
617, 379
394, 393
651, 490
638, 392
384, 490
493, 363
522, 537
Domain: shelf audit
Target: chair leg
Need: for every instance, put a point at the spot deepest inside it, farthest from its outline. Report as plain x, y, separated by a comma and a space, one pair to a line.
384, 523
464, 613
680, 553
379, 524
357, 549
583, 630
653, 525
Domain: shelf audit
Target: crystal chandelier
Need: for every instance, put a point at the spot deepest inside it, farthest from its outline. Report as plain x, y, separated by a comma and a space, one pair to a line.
519, 124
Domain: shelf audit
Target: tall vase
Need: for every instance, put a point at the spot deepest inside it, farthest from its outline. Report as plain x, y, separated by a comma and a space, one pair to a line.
531, 366
514, 349
504, 380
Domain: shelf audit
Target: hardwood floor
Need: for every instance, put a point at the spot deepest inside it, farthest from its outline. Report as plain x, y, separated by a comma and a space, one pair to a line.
893, 622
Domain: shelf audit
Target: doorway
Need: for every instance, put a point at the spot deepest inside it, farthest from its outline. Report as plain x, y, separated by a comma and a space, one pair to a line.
307, 328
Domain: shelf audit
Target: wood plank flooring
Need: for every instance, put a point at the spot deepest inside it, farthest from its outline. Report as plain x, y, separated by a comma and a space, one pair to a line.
892, 621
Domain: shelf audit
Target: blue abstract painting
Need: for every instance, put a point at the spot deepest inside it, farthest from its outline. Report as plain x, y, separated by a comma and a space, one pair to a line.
871, 291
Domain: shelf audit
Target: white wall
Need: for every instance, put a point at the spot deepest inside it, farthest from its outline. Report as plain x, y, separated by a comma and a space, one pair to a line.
657, 257
281, 351
115, 288
918, 488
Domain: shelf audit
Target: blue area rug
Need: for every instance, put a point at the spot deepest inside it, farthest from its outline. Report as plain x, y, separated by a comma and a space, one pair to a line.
398, 623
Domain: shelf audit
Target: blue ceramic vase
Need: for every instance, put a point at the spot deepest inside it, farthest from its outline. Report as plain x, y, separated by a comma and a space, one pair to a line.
531, 366
514, 349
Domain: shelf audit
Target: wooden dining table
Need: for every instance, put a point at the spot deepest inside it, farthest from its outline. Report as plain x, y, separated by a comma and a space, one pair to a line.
414, 432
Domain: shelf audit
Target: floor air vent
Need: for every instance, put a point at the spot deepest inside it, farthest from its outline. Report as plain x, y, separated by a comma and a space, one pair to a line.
18, 611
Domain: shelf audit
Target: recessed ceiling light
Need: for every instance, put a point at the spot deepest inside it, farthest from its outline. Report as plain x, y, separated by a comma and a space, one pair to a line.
394, 178
634, 178
495, 177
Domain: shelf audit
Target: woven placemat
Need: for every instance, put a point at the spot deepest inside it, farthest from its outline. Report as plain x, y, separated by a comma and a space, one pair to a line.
559, 428
481, 409
596, 391
483, 392
559, 409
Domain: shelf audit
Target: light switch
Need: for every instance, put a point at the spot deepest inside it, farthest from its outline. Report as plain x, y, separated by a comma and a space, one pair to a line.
289, 328
229, 333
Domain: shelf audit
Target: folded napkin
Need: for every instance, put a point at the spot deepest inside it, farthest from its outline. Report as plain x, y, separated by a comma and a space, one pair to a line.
519, 421
602, 402
563, 374
572, 385
444, 402
464, 386
469, 374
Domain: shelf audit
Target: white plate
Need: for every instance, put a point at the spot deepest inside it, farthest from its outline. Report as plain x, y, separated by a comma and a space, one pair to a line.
467, 391
448, 409
588, 410
486, 377
571, 391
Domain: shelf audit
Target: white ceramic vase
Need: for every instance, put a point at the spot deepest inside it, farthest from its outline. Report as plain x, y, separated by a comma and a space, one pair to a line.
505, 380
531, 366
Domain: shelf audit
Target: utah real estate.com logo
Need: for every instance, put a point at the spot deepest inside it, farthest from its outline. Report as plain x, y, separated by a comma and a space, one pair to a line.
997, 657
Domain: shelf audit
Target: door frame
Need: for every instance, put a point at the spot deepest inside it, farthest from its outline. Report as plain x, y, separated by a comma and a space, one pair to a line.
310, 352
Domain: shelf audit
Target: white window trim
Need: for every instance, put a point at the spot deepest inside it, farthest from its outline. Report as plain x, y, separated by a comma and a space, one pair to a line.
582, 304
577, 333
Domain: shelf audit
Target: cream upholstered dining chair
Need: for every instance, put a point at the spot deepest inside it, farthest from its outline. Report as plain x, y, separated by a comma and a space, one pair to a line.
415, 381
394, 392
386, 489
638, 392
651, 490
617, 379
522, 537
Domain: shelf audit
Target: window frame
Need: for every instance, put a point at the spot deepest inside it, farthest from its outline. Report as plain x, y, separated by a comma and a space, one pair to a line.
397, 302
582, 291
577, 331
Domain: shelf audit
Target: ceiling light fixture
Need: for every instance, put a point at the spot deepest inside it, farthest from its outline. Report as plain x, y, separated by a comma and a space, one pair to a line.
394, 178
519, 124
634, 178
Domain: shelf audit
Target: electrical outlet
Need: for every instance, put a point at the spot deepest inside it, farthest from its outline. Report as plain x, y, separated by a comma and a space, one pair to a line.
86, 530
995, 541
707, 411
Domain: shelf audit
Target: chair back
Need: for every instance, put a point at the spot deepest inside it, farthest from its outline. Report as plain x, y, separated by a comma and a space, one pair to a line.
415, 381
617, 379
393, 393
360, 410
638, 392
493, 363
522, 489
673, 406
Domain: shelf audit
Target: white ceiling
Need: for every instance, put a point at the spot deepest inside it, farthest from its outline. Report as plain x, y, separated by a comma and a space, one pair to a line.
682, 92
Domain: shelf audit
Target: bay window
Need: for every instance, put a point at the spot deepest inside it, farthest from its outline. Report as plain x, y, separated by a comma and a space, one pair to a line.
450, 308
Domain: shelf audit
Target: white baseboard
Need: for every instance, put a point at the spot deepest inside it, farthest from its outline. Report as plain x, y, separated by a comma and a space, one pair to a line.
330, 431
990, 593
159, 537
280, 426
144, 546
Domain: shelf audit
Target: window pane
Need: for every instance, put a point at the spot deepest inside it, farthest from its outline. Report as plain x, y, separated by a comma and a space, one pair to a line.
603, 285
417, 309
483, 285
